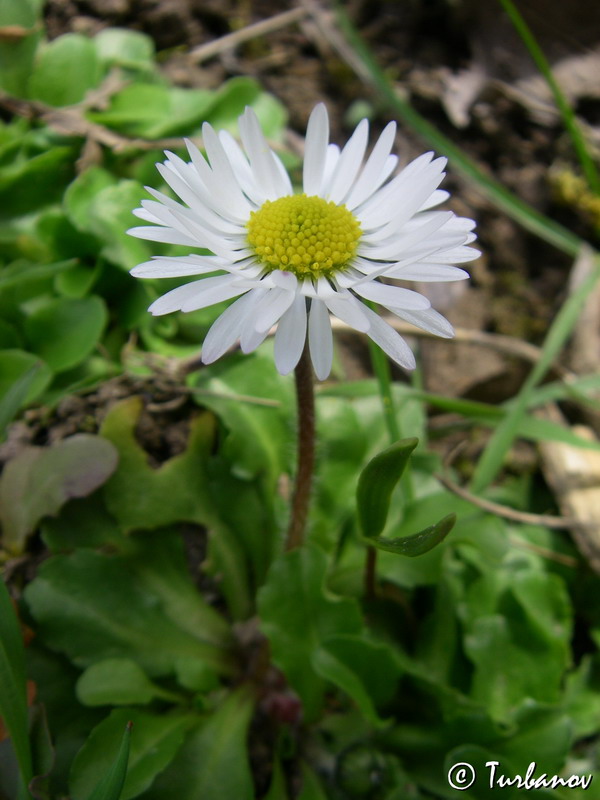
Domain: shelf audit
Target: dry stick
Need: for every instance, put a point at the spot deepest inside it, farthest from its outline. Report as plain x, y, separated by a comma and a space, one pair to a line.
547, 520
306, 450
231, 40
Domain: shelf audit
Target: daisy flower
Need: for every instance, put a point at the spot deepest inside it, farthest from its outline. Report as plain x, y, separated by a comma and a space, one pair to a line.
294, 259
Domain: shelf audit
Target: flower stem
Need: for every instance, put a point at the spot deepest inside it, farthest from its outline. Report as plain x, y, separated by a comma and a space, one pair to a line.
306, 450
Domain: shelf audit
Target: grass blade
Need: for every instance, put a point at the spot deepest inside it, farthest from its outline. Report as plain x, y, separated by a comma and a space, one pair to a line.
111, 786
13, 687
563, 105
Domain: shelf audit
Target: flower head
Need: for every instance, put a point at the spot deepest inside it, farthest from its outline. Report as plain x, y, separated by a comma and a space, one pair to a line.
292, 260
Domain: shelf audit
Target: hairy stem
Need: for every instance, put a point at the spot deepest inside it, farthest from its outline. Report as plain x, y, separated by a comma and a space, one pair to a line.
306, 451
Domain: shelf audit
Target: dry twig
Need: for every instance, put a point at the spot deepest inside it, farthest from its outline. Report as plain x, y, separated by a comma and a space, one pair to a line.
204, 52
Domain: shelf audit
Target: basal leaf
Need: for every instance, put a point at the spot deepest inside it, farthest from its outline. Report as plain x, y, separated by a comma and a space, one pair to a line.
38, 481
64, 331
118, 682
376, 483
155, 739
258, 432
27, 185
213, 762
298, 614
125, 48
110, 786
16, 395
16, 55
65, 69
367, 671
93, 606
177, 491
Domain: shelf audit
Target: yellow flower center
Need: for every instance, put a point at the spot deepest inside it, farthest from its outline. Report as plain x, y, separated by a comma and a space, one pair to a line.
304, 235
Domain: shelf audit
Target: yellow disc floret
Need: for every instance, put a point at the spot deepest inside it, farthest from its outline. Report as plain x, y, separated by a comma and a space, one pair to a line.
304, 235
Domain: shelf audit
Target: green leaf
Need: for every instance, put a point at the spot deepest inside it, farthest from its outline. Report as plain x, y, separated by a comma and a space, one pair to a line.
213, 762
529, 623
125, 48
277, 787
376, 483
367, 671
540, 733
38, 481
298, 614
111, 784
84, 523
20, 272
311, 786
155, 739
81, 193
142, 497
418, 543
118, 682
13, 698
65, 70
21, 385
152, 111
16, 55
181, 489
30, 184
258, 438
150, 599
582, 697
64, 331
98, 205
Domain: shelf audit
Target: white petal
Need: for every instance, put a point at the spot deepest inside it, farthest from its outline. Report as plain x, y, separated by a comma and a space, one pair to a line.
349, 164
177, 267
331, 159
213, 290
437, 197
216, 222
428, 272
243, 171
320, 339
395, 246
226, 329
381, 206
405, 202
264, 166
376, 163
166, 235
251, 338
317, 138
390, 341
392, 295
291, 336
208, 188
428, 320
347, 308
173, 300
272, 308
222, 171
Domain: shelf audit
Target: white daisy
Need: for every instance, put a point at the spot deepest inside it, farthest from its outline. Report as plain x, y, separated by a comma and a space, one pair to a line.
294, 259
